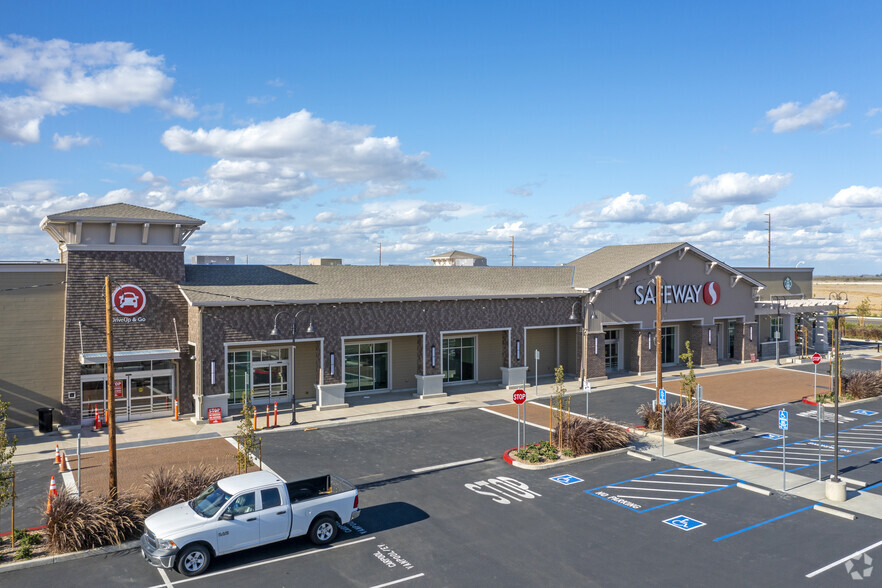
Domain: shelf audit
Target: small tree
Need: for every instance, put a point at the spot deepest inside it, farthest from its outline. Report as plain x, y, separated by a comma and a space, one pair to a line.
246, 437
560, 391
688, 382
7, 450
862, 311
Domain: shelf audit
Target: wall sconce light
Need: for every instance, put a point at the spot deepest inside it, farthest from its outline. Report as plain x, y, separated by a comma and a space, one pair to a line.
433, 356
595, 345
332, 363
212, 373
751, 332
650, 341
518, 349
708, 336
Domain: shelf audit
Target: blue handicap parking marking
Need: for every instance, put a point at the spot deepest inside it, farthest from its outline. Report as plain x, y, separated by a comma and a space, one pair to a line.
863, 412
664, 488
684, 523
772, 436
566, 479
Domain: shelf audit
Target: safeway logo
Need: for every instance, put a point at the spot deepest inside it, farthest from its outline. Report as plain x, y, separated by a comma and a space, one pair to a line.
129, 300
711, 293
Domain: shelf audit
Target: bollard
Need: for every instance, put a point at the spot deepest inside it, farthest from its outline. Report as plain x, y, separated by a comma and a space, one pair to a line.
267, 417
177, 414
275, 414
254, 426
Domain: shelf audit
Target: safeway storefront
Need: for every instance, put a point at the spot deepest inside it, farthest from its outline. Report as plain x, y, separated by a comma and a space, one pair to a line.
207, 335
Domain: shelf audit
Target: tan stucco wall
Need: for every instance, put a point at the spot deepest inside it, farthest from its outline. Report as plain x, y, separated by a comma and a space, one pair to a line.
403, 363
490, 355
31, 342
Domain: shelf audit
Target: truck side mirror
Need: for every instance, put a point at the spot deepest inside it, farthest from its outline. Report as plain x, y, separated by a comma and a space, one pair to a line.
226, 516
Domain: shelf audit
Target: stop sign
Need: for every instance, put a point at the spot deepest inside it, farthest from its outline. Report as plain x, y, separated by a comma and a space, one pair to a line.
816, 358
519, 397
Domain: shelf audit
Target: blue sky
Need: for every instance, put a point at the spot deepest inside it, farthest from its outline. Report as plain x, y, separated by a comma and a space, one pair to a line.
329, 127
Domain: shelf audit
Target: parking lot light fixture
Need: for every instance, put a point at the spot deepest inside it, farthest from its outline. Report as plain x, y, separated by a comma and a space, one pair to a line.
836, 385
309, 331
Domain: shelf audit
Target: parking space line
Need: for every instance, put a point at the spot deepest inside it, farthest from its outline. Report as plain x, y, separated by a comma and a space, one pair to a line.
414, 577
765, 522
444, 466
654, 489
164, 576
651, 488
271, 561
843, 560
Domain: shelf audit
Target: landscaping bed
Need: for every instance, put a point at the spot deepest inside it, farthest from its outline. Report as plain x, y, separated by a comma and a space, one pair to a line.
681, 420
581, 439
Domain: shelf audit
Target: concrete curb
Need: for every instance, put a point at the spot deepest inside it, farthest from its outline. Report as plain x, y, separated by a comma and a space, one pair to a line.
655, 434
51, 559
564, 461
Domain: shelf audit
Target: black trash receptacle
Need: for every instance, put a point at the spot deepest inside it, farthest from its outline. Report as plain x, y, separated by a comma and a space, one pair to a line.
44, 418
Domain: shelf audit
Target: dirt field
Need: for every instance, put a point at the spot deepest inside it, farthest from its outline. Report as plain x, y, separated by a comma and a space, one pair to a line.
760, 388
856, 290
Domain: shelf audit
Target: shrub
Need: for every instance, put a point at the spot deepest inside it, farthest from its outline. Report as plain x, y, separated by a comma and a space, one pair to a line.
23, 552
26, 537
680, 419
538, 452
74, 524
169, 486
585, 436
862, 385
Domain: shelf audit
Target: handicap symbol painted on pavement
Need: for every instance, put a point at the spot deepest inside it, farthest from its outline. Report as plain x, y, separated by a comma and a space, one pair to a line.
684, 523
566, 479
773, 436
864, 412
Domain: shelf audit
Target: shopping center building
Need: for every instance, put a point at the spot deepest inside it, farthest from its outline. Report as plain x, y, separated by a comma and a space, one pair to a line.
207, 335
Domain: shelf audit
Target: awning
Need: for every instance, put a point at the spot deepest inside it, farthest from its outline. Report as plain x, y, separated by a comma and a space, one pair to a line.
126, 356
797, 305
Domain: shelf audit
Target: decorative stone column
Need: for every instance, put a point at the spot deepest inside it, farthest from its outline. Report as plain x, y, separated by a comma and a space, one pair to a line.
704, 346
596, 356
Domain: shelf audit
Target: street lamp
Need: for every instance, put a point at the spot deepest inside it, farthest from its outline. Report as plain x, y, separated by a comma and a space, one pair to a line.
309, 331
836, 384
777, 333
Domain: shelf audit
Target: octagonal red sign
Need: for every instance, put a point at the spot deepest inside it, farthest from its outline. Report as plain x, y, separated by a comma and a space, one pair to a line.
519, 396
129, 300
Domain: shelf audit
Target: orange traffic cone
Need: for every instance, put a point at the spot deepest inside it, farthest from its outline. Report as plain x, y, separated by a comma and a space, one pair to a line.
57, 454
63, 467
53, 490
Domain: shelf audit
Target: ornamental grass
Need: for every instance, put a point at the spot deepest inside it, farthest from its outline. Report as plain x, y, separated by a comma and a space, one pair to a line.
681, 419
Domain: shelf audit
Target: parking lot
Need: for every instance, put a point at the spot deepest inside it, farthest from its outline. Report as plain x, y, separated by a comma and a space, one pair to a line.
440, 508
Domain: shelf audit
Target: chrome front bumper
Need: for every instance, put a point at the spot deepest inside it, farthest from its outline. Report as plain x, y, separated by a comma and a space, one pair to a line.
161, 558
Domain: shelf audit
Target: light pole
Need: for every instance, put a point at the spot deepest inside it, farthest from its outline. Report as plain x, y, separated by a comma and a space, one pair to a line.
777, 333
309, 331
835, 385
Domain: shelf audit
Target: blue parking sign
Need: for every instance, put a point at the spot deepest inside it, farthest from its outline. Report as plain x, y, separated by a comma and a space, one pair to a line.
566, 479
782, 420
662, 397
684, 523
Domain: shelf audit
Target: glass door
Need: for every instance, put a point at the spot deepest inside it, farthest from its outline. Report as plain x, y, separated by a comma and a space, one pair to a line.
669, 346
611, 350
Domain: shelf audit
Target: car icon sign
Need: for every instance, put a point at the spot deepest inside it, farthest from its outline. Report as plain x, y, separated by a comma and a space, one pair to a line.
128, 299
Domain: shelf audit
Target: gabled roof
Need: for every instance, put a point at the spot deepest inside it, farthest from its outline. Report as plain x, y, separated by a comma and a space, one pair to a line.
123, 212
455, 255
607, 264
207, 285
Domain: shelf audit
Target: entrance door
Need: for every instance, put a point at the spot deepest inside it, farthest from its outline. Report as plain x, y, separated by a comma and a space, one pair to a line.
669, 346
612, 350
136, 395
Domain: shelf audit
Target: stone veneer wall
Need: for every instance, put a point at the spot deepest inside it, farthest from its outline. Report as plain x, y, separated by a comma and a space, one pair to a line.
704, 353
158, 275
596, 362
743, 345
332, 321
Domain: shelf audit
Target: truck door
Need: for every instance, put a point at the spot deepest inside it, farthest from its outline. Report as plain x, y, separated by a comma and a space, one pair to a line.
275, 519
243, 530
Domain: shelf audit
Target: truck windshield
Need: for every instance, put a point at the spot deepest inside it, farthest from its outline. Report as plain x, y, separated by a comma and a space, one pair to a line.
209, 501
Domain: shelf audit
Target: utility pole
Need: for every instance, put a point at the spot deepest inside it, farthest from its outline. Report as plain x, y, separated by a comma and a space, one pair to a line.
111, 395
512, 251
300, 257
770, 239
381, 254
658, 341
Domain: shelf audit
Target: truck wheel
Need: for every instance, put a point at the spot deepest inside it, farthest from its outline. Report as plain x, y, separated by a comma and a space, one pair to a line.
323, 530
193, 560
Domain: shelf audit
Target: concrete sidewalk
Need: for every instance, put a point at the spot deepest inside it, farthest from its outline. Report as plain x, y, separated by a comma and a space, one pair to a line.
33, 445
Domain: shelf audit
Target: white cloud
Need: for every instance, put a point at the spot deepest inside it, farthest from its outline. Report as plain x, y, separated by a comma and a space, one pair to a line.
60, 74
633, 208
738, 188
66, 142
858, 197
791, 116
149, 177
260, 100
276, 83
874, 111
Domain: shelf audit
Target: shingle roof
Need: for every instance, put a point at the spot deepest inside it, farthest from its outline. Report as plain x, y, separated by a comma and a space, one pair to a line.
123, 211
607, 263
207, 285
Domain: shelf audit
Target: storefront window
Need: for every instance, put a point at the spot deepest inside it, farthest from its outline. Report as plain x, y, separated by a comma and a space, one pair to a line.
458, 359
669, 346
366, 367
263, 371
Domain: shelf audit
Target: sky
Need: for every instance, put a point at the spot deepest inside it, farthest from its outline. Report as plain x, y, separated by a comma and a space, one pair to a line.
342, 129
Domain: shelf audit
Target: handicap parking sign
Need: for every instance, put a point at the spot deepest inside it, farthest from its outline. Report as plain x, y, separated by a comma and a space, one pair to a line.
566, 479
684, 523
864, 412
782, 420
662, 397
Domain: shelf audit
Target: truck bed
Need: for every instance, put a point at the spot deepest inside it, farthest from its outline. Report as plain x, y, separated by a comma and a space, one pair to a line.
301, 490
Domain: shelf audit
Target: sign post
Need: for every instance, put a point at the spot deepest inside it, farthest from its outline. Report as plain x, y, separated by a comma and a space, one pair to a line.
782, 424
698, 414
518, 397
816, 359
537, 372
663, 401
587, 388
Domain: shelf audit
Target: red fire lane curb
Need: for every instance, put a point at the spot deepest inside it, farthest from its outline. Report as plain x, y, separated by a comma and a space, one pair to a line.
506, 457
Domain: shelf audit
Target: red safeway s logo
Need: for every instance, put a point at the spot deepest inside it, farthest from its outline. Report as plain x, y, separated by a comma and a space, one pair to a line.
129, 300
711, 293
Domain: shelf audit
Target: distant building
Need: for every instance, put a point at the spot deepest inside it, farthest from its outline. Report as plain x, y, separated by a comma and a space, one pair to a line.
325, 261
458, 258
213, 259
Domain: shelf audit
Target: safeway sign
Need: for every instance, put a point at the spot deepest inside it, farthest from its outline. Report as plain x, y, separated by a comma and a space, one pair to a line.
709, 293
129, 300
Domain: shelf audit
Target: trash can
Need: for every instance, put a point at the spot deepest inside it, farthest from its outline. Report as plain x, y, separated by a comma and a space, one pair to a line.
44, 418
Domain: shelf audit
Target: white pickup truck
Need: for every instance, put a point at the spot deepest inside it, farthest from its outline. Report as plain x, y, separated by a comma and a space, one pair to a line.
245, 511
